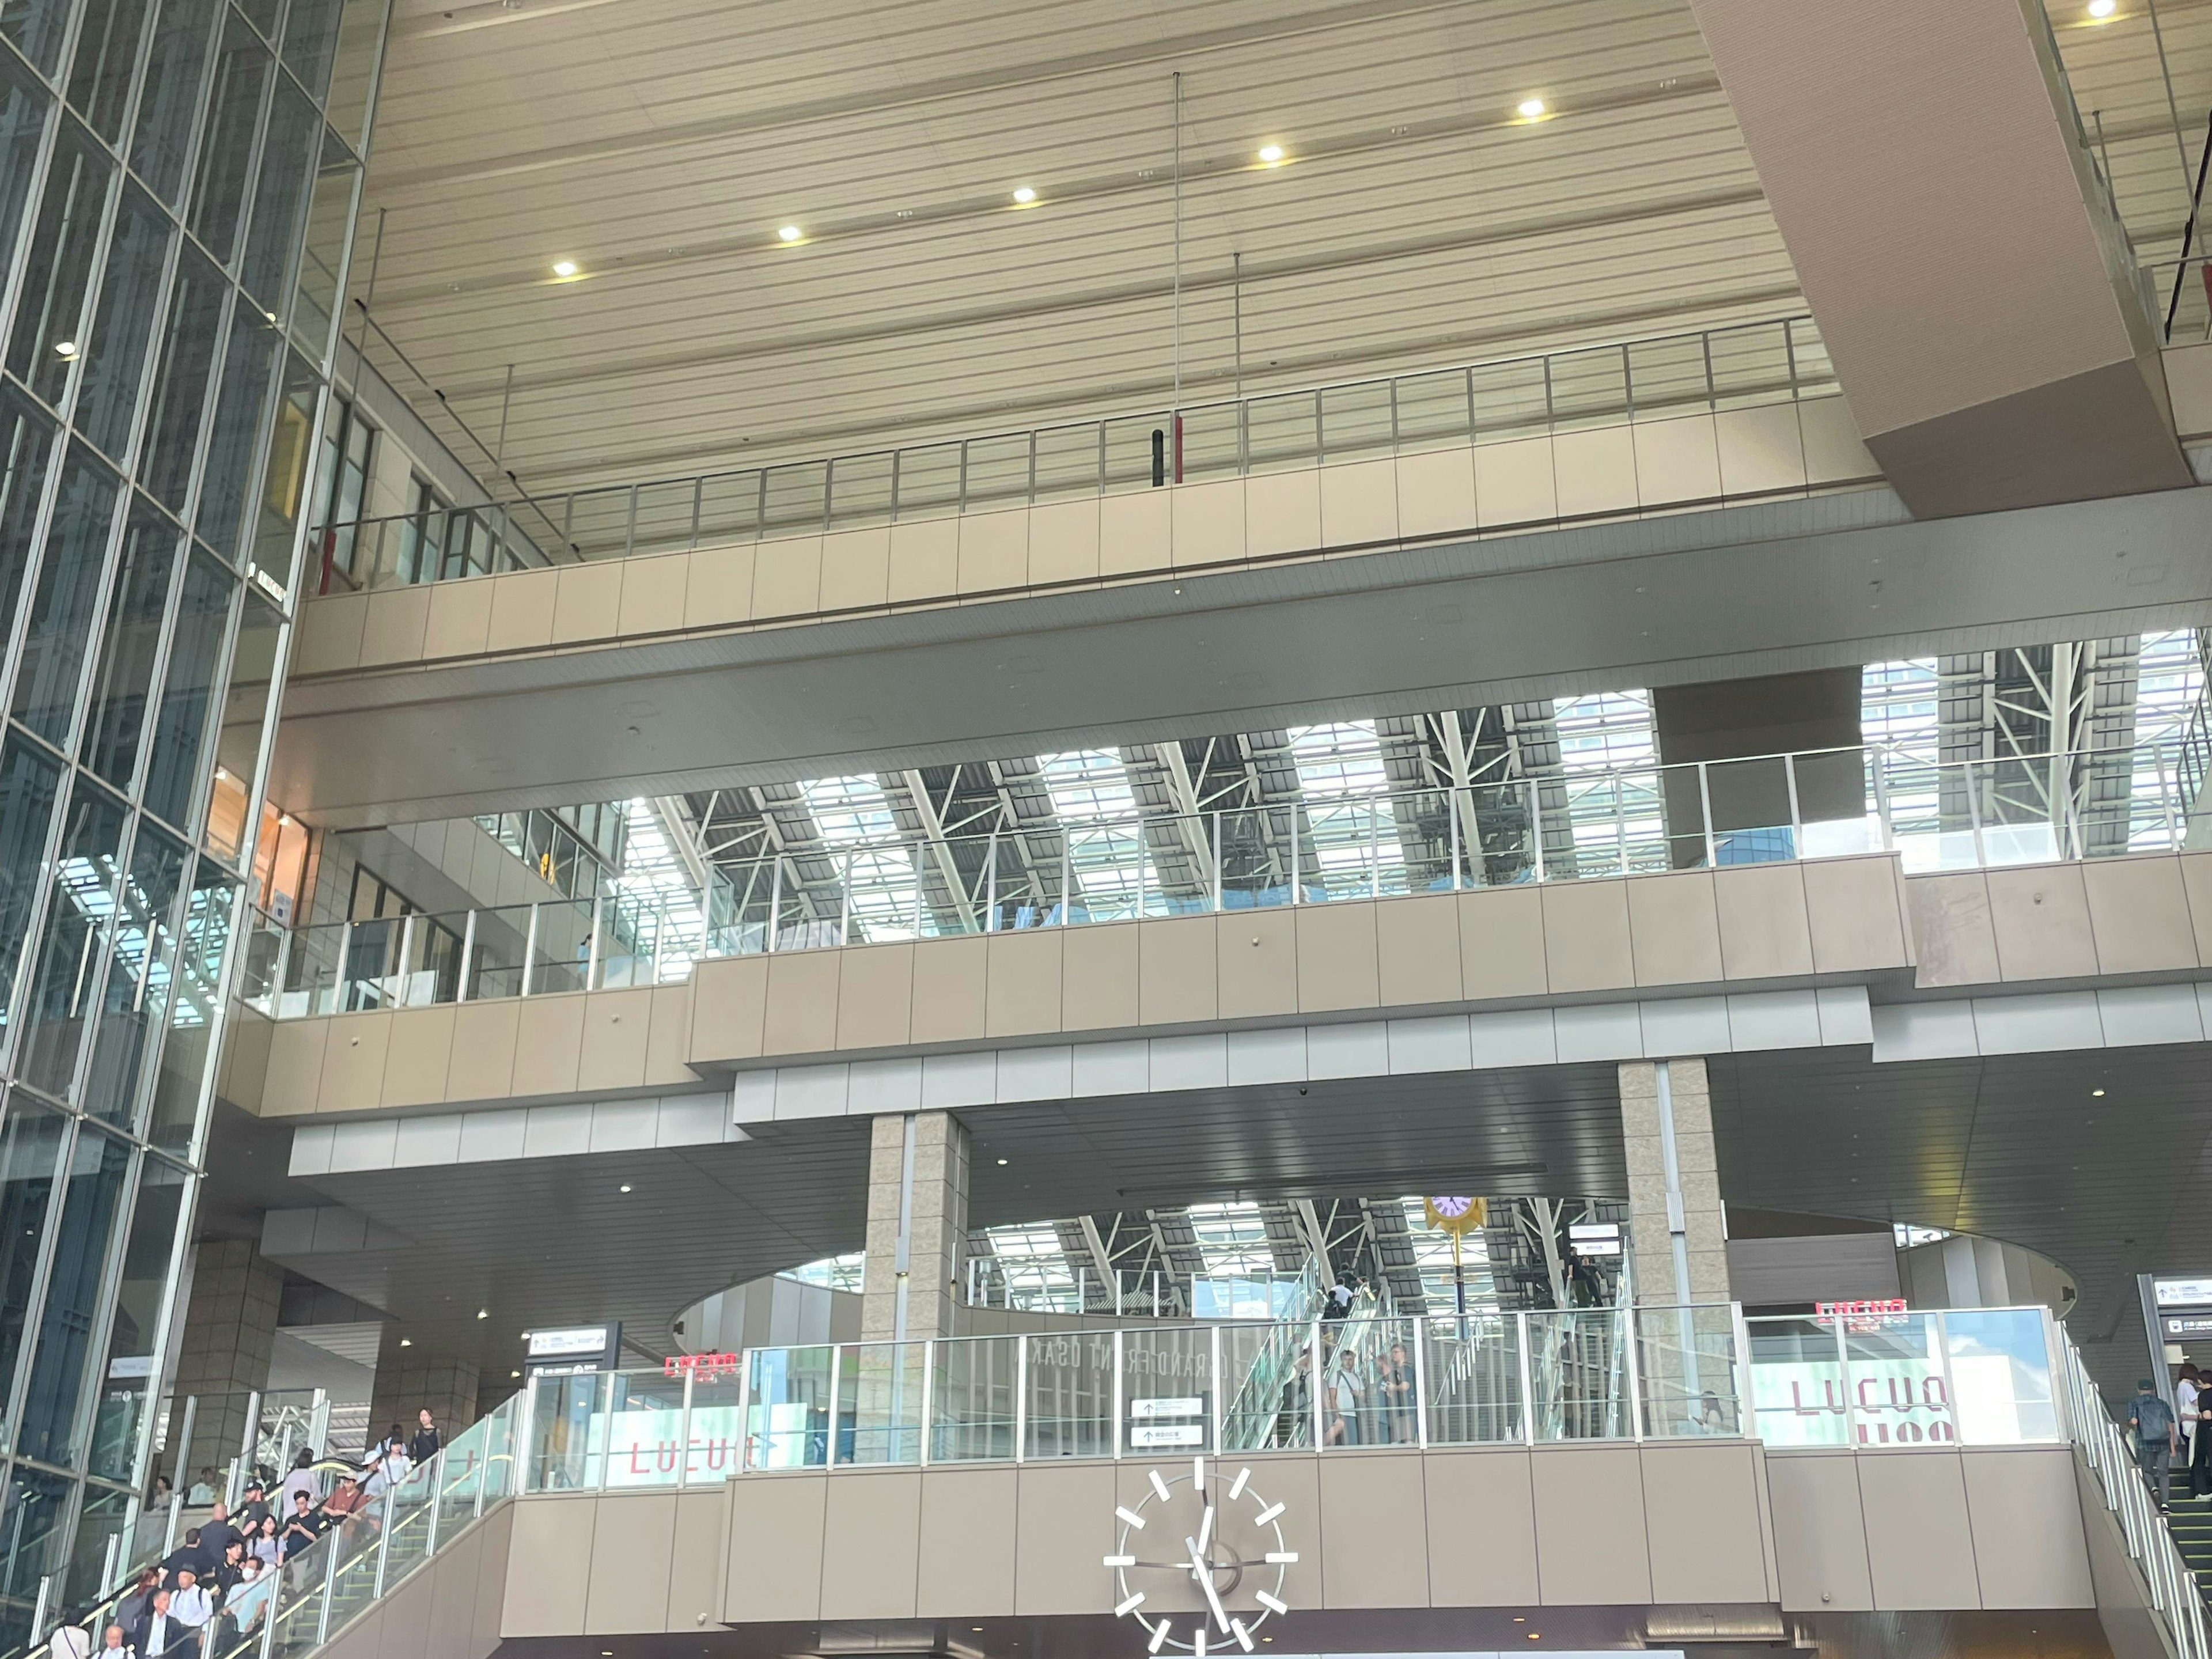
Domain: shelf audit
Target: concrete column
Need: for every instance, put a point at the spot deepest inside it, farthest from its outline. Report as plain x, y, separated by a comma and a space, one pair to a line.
1676, 1230
408, 1379
917, 1218
229, 1331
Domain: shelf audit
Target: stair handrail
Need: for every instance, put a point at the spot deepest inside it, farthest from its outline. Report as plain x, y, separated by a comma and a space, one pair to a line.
2177, 1604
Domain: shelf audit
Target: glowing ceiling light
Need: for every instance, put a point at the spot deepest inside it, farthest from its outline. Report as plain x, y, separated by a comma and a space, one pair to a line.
66, 348
1024, 196
2099, 11
564, 267
789, 233
1531, 108
1270, 153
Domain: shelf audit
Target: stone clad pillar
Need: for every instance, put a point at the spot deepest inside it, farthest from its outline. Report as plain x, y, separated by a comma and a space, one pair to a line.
1677, 1232
229, 1330
917, 1218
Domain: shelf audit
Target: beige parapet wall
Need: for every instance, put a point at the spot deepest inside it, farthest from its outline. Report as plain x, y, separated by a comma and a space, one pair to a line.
1747, 929
1577, 1539
1349, 508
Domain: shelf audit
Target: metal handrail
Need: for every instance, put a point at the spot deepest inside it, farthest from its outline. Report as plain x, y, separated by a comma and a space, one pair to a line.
2012, 810
1496, 397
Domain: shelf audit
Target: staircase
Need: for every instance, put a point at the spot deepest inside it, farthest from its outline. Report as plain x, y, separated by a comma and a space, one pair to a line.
2190, 1522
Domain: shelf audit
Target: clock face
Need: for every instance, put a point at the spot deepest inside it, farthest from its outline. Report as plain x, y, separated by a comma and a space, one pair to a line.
1200, 1532
1451, 1209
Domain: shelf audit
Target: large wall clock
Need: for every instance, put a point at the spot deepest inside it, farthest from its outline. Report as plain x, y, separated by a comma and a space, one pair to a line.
1202, 1525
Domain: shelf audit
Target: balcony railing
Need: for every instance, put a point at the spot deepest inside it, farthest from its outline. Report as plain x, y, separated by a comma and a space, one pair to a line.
1320, 849
1873, 1380
1714, 369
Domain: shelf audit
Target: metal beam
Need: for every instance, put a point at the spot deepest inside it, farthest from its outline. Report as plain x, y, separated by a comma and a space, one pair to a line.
933, 824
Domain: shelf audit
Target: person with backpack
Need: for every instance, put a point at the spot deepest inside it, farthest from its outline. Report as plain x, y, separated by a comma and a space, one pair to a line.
2151, 1420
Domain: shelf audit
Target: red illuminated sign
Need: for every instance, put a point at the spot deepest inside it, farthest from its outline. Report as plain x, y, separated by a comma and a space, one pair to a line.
710, 1366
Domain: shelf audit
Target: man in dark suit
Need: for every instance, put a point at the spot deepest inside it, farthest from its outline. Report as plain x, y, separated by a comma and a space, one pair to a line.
160, 1636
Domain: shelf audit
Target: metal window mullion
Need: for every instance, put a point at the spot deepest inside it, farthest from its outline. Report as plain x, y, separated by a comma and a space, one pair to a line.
1705, 812
17, 628
88, 304
27, 1354
1021, 1397
19, 260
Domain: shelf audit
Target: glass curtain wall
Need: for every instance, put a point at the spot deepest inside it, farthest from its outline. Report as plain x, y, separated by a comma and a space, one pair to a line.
179, 181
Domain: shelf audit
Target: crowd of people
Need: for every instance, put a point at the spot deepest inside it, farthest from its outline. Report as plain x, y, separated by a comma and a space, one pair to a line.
209, 1597
2173, 1441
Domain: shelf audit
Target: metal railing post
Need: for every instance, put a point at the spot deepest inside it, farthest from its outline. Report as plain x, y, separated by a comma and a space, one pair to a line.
1297, 876
929, 1362
775, 900
1796, 818
1021, 1398
401, 992
1451, 812
1635, 1374
1213, 1358
1527, 1379
384, 1539
39, 1607
1421, 1382
1536, 823
1705, 813
329, 1586
529, 952
592, 946
341, 977
1118, 1371
1316, 1363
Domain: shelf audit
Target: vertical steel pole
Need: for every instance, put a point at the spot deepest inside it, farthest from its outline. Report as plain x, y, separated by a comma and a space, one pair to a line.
529, 952
1528, 1380
1705, 811
1021, 1397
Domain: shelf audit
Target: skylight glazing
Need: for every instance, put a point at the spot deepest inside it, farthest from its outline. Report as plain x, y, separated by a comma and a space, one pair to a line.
883, 887
1608, 751
1352, 831
1109, 868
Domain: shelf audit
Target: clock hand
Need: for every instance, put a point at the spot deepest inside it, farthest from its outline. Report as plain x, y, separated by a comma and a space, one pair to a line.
1204, 1574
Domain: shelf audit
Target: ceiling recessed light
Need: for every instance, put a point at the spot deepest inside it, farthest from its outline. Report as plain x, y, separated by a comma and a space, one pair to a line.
1002, 1162
1024, 194
564, 267
2098, 1093
483, 1313
1531, 108
513, 1374
625, 1187
789, 233
2102, 10
1270, 153
66, 348
406, 1341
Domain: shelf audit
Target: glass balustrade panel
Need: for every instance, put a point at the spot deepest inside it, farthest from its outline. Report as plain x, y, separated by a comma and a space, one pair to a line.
971, 1403
598, 523
1068, 459
730, 506
567, 1443
408, 1518
1667, 378
1512, 400
1266, 1385
645, 1431
928, 482
1432, 414
1069, 1409
1473, 1364
1578, 1369
1998, 1362
664, 516
1900, 1394
1687, 1366
1254, 857
793, 505
1136, 458
561, 956
1282, 433
879, 1394
1167, 1392
1357, 422
1748, 805
1751, 365
1839, 804
1797, 1383
1212, 442
714, 1446
1368, 1396
1589, 388
787, 1408
860, 490
998, 473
